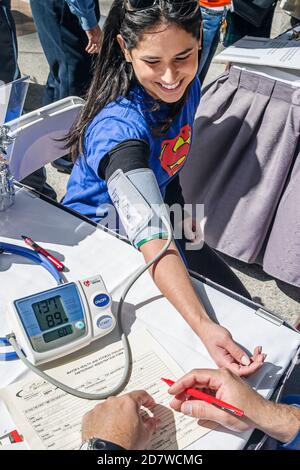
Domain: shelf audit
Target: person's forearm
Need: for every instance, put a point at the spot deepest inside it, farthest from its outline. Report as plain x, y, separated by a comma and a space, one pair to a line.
85, 11
176, 286
282, 422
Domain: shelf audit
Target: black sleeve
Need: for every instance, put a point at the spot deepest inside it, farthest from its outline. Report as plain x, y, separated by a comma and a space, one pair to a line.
127, 156
131, 155
174, 193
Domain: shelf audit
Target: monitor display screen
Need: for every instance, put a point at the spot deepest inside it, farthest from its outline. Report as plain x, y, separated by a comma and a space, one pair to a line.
50, 313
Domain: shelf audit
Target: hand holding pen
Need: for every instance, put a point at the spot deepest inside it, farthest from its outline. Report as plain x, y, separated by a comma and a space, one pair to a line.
227, 387
200, 395
58, 264
230, 402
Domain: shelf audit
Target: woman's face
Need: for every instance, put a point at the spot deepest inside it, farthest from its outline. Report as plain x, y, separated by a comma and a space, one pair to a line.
165, 61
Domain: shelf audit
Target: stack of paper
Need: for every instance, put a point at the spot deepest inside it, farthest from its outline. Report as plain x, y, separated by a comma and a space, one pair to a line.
281, 52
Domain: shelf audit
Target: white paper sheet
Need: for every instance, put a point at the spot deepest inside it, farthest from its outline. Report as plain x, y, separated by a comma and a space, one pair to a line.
51, 419
278, 52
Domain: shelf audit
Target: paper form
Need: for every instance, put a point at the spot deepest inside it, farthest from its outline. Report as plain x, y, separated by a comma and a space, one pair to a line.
51, 419
278, 52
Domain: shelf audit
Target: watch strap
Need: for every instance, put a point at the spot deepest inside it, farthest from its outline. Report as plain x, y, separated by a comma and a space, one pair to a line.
96, 443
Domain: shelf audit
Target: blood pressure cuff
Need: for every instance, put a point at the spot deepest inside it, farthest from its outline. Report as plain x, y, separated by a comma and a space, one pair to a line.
138, 200
131, 155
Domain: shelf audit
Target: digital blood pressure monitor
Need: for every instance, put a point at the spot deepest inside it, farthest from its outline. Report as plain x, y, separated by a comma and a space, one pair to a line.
56, 322
59, 321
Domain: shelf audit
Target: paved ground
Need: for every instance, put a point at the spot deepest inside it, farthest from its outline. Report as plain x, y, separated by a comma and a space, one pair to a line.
276, 295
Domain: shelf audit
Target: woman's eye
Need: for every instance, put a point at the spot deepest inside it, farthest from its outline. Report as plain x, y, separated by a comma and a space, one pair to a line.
153, 62
182, 58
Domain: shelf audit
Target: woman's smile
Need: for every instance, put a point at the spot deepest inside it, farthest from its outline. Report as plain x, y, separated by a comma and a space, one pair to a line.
172, 88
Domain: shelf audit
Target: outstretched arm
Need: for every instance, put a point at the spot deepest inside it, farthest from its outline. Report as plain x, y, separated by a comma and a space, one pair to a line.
172, 279
281, 422
133, 188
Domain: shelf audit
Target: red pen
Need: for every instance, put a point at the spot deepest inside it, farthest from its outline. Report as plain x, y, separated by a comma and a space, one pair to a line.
195, 393
59, 266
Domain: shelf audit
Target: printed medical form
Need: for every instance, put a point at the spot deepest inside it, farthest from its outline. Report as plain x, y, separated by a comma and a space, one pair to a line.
51, 419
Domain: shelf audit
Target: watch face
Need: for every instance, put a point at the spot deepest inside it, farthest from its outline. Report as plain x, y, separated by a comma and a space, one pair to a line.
93, 444
98, 444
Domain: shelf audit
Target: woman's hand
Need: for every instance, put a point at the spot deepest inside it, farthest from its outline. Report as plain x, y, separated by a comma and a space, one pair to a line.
226, 353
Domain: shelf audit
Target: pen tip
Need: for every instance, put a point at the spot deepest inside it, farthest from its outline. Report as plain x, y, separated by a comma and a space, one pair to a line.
167, 381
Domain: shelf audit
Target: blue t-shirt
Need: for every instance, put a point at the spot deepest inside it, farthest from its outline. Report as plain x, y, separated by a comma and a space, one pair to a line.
126, 119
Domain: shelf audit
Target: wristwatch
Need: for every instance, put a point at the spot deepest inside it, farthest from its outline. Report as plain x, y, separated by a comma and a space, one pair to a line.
94, 443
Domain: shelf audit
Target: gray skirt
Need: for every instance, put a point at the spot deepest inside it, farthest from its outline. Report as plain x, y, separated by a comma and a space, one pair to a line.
244, 166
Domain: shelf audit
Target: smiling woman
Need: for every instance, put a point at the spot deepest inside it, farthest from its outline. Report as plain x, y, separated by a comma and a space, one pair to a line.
130, 143
164, 76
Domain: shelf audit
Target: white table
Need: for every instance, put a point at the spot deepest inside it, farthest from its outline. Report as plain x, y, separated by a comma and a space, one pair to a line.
88, 250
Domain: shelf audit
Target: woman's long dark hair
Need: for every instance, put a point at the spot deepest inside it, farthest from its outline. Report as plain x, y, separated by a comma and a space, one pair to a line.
113, 76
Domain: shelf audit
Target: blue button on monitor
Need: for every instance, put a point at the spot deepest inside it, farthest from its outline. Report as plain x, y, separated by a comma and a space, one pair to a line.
101, 300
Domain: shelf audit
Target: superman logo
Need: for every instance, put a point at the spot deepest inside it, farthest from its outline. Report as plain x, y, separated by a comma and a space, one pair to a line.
174, 151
